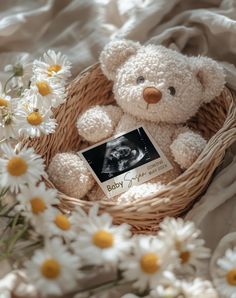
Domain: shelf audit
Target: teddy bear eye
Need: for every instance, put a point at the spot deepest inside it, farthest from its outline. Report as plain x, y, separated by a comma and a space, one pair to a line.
140, 80
172, 90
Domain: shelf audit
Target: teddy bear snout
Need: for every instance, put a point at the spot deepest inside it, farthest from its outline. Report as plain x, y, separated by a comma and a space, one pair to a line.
152, 95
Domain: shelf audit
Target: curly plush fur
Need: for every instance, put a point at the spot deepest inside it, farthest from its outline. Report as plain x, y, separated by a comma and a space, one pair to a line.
155, 87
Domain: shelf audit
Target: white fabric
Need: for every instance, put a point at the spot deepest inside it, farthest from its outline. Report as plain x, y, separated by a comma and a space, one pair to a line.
216, 212
80, 29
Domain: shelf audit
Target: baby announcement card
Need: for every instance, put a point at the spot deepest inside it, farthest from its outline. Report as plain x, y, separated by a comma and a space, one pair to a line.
125, 160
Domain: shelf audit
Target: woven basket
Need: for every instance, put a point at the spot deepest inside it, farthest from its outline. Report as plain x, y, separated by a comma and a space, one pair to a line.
216, 121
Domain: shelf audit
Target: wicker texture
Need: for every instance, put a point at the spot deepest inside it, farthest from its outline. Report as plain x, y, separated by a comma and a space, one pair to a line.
216, 121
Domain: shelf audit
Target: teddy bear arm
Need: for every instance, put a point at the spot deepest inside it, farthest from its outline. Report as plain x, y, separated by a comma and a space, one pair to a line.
98, 122
186, 147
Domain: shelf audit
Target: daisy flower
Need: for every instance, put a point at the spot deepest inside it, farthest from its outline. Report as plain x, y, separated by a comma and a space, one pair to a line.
150, 259
58, 224
198, 288
33, 122
184, 237
19, 168
8, 126
20, 71
225, 281
53, 65
34, 201
53, 270
173, 288
99, 241
44, 92
167, 291
5, 100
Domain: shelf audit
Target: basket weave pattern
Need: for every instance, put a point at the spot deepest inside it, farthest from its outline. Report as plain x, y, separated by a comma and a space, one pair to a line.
216, 121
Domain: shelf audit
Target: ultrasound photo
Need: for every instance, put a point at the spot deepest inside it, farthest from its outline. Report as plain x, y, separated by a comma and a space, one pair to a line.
119, 155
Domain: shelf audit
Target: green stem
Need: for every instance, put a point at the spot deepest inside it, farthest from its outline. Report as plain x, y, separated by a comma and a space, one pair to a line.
19, 92
102, 287
29, 84
18, 235
3, 140
4, 192
7, 82
5, 229
15, 220
7, 216
8, 210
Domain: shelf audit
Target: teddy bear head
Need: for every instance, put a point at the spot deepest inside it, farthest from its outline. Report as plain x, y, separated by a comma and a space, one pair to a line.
158, 84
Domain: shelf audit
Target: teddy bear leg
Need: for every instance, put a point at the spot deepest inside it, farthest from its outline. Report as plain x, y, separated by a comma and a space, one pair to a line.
70, 175
144, 191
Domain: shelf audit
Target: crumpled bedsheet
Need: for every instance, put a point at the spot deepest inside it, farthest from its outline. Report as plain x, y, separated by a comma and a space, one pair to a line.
81, 28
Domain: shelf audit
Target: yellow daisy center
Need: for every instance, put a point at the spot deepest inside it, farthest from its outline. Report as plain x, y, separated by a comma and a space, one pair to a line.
50, 269
17, 166
43, 88
53, 68
35, 118
37, 205
149, 263
184, 256
103, 239
3, 102
231, 277
62, 222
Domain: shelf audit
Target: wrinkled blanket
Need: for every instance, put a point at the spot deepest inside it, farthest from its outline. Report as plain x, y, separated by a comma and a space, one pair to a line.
80, 29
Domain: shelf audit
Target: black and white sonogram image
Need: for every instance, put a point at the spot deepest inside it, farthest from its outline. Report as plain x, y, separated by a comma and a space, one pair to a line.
119, 155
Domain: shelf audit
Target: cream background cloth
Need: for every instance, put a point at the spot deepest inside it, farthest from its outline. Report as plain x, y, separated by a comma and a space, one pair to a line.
80, 29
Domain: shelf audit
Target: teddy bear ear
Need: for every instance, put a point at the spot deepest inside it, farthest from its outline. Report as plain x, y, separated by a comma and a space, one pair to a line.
115, 54
210, 74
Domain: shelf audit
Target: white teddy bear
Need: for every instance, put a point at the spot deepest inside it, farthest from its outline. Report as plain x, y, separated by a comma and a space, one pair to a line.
155, 87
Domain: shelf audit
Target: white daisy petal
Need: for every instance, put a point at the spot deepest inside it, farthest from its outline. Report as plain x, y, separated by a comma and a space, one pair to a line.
19, 168
44, 93
151, 258
225, 274
100, 243
21, 70
34, 201
53, 270
57, 224
8, 126
33, 122
53, 65
183, 236
173, 288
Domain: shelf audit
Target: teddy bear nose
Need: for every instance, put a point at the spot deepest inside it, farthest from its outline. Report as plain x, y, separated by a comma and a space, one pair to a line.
152, 95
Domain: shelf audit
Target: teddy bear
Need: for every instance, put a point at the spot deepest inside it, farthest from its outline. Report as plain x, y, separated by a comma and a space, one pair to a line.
154, 87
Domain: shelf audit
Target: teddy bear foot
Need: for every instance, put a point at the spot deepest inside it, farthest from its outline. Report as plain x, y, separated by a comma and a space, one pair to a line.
143, 191
70, 175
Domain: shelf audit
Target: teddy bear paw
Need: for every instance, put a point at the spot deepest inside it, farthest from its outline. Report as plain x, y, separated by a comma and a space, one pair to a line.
186, 148
70, 175
98, 123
